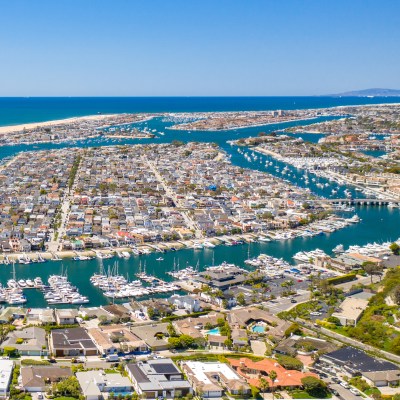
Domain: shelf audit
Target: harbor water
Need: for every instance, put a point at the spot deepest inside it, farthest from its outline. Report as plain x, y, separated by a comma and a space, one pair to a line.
378, 223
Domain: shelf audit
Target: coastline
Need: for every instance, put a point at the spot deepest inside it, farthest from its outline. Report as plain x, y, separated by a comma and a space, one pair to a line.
172, 128
19, 127
149, 248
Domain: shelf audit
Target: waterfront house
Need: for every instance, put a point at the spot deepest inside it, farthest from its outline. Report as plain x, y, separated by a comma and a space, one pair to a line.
188, 303
65, 317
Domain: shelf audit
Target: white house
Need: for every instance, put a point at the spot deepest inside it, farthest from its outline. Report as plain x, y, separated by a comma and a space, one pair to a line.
6, 369
188, 303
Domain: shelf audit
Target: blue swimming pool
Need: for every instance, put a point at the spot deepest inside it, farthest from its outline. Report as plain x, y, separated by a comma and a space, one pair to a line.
214, 331
258, 328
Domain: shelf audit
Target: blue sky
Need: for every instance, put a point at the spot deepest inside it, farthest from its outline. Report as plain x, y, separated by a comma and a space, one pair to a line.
197, 47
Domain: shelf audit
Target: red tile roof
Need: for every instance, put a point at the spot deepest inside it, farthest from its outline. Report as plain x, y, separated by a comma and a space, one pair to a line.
285, 377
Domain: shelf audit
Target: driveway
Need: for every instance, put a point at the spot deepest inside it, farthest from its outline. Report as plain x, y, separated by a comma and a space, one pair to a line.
344, 393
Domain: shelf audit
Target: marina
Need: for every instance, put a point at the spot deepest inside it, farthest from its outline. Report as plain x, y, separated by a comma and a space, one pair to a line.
376, 223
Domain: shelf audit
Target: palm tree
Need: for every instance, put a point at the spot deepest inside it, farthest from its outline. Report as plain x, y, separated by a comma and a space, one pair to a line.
264, 385
273, 375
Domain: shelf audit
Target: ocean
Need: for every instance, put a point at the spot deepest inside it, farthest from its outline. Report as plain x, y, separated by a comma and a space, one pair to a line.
19, 110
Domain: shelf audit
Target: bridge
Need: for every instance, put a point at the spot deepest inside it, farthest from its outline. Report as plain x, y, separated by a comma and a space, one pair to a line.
350, 201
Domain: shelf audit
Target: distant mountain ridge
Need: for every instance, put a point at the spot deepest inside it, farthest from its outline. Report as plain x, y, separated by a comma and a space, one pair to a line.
376, 92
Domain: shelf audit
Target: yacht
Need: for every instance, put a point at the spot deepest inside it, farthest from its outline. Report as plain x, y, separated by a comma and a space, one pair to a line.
338, 249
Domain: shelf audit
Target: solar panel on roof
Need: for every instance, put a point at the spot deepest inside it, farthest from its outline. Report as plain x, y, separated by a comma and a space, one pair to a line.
165, 368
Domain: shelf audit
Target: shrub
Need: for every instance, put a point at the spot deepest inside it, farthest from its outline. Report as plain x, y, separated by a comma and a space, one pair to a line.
290, 362
29, 361
341, 279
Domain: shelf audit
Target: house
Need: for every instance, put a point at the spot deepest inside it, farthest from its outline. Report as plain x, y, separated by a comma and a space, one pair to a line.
222, 279
153, 335
239, 337
243, 317
117, 339
6, 369
253, 371
65, 317
212, 379
118, 311
355, 362
187, 303
28, 342
350, 311
94, 383
37, 316
296, 344
217, 340
37, 378
158, 378
71, 342
11, 313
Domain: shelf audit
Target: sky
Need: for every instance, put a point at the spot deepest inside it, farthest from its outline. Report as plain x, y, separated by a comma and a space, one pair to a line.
197, 47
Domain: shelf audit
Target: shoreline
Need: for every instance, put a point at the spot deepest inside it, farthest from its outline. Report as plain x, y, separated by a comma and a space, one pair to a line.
151, 248
64, 121
240, 127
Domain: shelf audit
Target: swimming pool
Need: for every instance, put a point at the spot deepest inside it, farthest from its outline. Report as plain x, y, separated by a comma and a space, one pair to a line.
258, 328
214, 331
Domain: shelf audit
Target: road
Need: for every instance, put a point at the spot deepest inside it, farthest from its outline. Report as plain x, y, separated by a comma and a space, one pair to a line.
189, 221
352, 342
54, 244
284, 303
344, 393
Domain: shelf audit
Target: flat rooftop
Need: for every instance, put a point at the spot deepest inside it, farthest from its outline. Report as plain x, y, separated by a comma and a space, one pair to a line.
202, 369
351, 308
6, 367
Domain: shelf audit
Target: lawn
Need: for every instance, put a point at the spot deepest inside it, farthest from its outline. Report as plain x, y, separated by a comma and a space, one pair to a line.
64, 398
302, 394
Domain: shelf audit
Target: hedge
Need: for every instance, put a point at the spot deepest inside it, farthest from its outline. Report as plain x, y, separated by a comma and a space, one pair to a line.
341, 279
29, 361
176, 317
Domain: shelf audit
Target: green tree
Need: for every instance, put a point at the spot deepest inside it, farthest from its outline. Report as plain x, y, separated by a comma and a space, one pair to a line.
290, 362
68, 387
371, 268
396, 295
171, 330
294, 329
151, 312
228, 343
395, 248
273, 375
264, 385
314, 386
241, 299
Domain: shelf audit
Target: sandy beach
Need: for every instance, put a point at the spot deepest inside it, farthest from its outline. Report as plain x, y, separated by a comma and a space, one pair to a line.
17, 128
